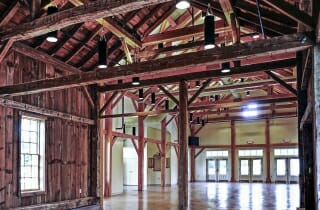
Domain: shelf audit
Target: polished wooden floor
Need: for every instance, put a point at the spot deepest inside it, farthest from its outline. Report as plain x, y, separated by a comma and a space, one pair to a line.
213, 196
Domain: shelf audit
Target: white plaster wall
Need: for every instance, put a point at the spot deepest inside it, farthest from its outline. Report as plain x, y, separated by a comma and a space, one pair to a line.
117, 168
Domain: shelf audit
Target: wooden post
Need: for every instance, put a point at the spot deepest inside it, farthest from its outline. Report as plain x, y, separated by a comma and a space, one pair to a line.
192, 164
267, 134
108, 150
163, 152
233, 151
141, 148
302, 104
183, 159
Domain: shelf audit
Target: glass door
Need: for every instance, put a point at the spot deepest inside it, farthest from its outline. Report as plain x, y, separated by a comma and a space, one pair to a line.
211, 170
287, 170
251, 169
222, 170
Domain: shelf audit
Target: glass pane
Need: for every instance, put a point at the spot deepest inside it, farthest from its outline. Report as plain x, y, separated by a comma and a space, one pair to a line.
25, 148
35, 161
24, 136
260, 152
33, 137
281, 167
244, 167
276, 152
34, 172
33, 149
25, 124
211, 167
241, 153
33, 125
27, 171
222, 167
256, 167
27, 160
34, 183
294, 167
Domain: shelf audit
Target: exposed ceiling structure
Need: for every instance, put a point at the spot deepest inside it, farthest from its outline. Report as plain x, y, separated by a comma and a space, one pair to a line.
162, 45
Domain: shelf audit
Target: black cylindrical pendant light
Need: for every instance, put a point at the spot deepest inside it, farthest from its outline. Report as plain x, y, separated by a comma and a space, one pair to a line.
153, 98
203, 123
53, 35
198, 120
102, 47
134, 131
135, 81
166, 104
209, 28
225, 67
191, 117
140, 94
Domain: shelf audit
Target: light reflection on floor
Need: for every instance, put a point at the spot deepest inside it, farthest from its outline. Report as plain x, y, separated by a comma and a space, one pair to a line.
213, 196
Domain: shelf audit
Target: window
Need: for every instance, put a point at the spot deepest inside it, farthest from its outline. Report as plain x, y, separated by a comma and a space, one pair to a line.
286, 152
251, 153
32, 154
223, 153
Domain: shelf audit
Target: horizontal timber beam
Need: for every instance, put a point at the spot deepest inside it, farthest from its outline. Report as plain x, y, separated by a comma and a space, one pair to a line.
204, 74
276, 45
90, 11
44, 111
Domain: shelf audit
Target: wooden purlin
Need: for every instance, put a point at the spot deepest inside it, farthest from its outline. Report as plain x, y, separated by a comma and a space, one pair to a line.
277, 45
92, 10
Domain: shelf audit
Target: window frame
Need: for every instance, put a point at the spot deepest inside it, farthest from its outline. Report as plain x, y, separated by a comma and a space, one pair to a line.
42, 168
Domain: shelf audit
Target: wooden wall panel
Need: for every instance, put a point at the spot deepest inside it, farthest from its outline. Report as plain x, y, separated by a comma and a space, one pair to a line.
67, 143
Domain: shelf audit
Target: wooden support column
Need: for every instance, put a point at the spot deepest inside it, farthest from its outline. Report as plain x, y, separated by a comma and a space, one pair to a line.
267, 134
183, 142
316, 115
302, 104
163, 152
141, 148
233, 151
192, 164
108, 149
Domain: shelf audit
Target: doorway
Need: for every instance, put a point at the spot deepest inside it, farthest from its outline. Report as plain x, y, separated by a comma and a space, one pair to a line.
251, 170
287, 170
217, 170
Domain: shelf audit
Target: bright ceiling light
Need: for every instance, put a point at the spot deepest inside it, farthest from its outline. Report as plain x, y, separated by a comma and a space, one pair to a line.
250, 113
182, 4
252, 106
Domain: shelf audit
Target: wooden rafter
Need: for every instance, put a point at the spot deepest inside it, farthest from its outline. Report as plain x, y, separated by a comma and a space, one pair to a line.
4, 50
181, 34
108, 102
10, 12
291, 11
204, 85
93, 10
277, 45
231, 18
282, 83
126, 50
174, 99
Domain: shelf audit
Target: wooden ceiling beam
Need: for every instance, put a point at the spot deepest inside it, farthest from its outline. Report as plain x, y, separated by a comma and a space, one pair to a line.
182, 34
158, 22
231, 18
282, 83
291, 11
216, 104
10, 13
201, 89
126, 50
174, 99
276, 45
5, 48
93, 10
112, 26
243, 71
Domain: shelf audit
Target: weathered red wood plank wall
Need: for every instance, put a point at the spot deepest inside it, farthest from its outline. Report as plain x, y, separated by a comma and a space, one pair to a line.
67, 160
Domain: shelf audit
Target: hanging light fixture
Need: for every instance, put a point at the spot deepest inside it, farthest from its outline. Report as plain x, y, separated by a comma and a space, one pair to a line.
53, 35
135, 81
102, 47
133, 131
182, 4
198, 120
140, 94
197, 84
225, 67
166, 104
209, 30
248, 93
153, 98
203, 123
216, 97
190, 117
